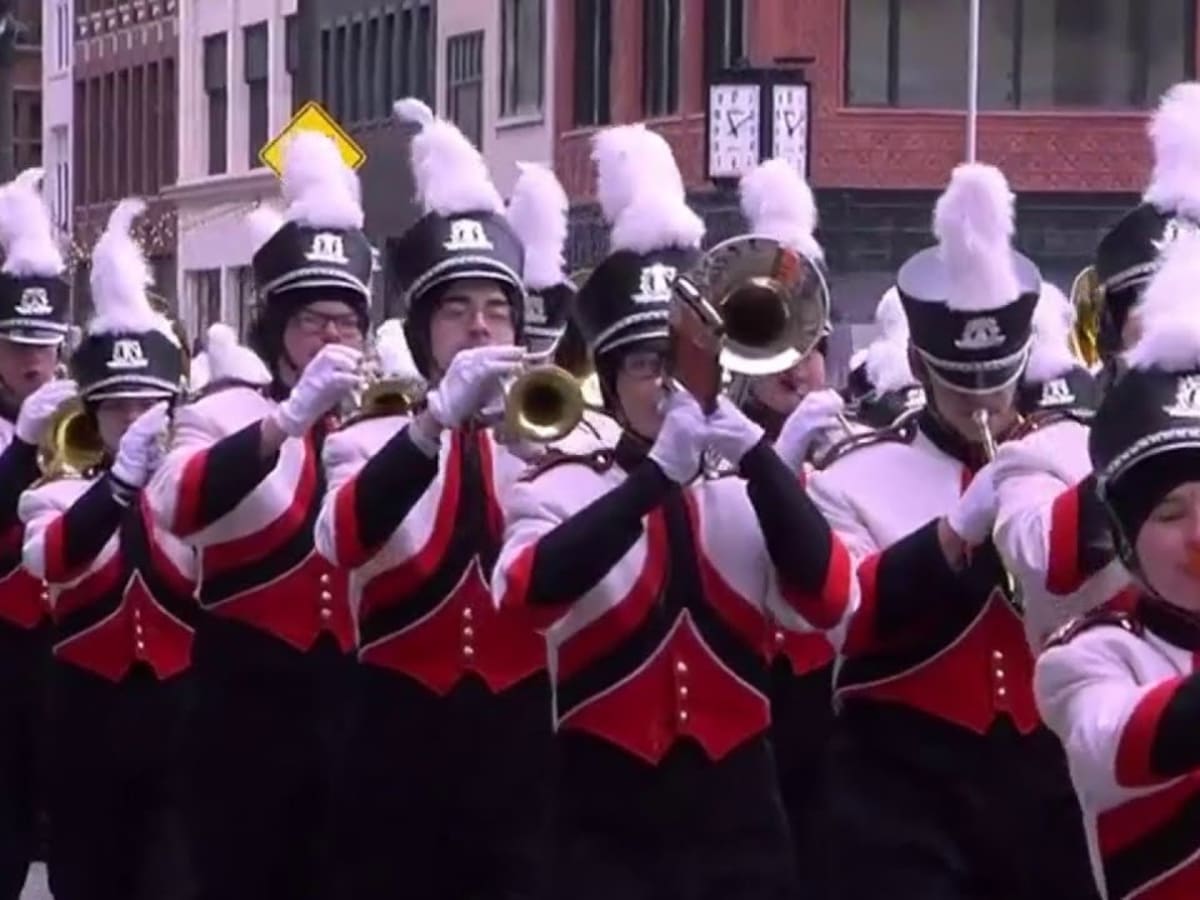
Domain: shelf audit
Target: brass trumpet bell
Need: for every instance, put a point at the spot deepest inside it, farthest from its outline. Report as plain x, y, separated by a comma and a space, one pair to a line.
71, 444
544, 404
773, 303
1087, 298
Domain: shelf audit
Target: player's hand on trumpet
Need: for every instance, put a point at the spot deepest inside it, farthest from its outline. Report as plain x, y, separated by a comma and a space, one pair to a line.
472, 379
39, 408
817, 413
141, 448
328, 380
679, 448
731, 433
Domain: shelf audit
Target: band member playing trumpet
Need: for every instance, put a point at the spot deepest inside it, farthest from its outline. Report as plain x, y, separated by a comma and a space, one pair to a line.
1120, 687
242, 482
660, 584
1051, 529
121, 594
937, 719
34, 301
443, 794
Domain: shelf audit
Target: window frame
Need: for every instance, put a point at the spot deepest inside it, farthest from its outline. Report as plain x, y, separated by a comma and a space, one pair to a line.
661, 38
516, 57
256, 74
216, 89
463, 49
592, 69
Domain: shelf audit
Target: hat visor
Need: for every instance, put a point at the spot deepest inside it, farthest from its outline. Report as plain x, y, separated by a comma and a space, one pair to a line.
462, 270
986, 377
316, 279
130, 388
648, 326
33, 338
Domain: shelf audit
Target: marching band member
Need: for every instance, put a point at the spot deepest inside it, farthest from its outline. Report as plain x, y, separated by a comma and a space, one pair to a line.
242, 483
660, 584
1120, 687
1051, 530
443, 794
778, 204
881, 386
537, 212
34, 301
1055, 382
938, 760
121, 594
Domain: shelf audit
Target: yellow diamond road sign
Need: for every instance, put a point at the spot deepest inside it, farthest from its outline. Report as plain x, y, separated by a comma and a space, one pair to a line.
311, 117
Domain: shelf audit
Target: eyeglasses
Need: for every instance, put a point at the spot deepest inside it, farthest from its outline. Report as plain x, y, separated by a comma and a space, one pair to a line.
312, 323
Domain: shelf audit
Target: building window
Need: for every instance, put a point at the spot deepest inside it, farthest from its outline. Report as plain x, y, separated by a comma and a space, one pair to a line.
291, 59
64, 40
593, 51
29, 23
256, 72
724, 35
244, 297
660, 57
216, 87
522, 26
208, 298
27, 129
1034, 54
464, 84
60, 178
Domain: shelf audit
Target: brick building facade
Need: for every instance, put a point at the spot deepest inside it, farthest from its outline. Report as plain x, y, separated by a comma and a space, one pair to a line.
125, 128
888, 81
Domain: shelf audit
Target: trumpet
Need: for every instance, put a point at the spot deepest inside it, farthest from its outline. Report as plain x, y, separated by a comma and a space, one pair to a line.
1087, 298
982, 420
71, 444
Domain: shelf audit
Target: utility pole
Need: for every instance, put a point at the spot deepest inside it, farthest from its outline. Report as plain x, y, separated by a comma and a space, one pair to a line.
10, 28
306, 28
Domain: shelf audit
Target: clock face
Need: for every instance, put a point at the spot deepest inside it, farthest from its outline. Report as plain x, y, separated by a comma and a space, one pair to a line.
733, 126
789, 124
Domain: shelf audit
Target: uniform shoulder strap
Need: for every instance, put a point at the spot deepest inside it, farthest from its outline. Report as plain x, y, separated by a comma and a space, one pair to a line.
902, 431
598, 461
1119, 618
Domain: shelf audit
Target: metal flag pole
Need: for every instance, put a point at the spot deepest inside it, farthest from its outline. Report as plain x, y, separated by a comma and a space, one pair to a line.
973, 80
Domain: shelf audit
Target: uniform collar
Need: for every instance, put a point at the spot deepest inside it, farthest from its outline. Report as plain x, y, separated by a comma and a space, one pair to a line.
949, 441
631, 449
1175, 625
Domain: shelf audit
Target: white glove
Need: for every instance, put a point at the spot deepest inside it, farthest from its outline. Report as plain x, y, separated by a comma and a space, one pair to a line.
972, 519
817, 413
329, 378
730, 431
141, 447
40, 406
680, 443
472, 378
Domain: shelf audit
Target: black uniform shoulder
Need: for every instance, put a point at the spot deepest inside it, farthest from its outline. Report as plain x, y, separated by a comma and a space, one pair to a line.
1045, 418
1118, 618
902, 431
598, 461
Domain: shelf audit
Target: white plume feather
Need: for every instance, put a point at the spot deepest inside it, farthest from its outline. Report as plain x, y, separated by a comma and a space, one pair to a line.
1050, 354
537, 212
779, 204
1175, 133
450, 172
261, 224
1170, 328
199, 373
227, 359
25, 231
890, 315
395, 356
641, 191
120, 276
858, 358
888, 368
974, 223
320, 189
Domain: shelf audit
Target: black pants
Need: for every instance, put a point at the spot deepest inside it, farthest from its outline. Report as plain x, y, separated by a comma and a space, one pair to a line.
923, 810
801, 723
24, 662
263, 734
115, 800
443, 798
686, 829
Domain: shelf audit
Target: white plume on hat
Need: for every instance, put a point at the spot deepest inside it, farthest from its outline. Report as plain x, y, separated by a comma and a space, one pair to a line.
779, 204
890, 315
1050, 353
537, 213
641, 191
450, 173
261, 224
320, 189
227, 359
887, 364
199, 373
395, 356
974, 222
120, 277
25, 232
1175, 134
1170, 328
858, 358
